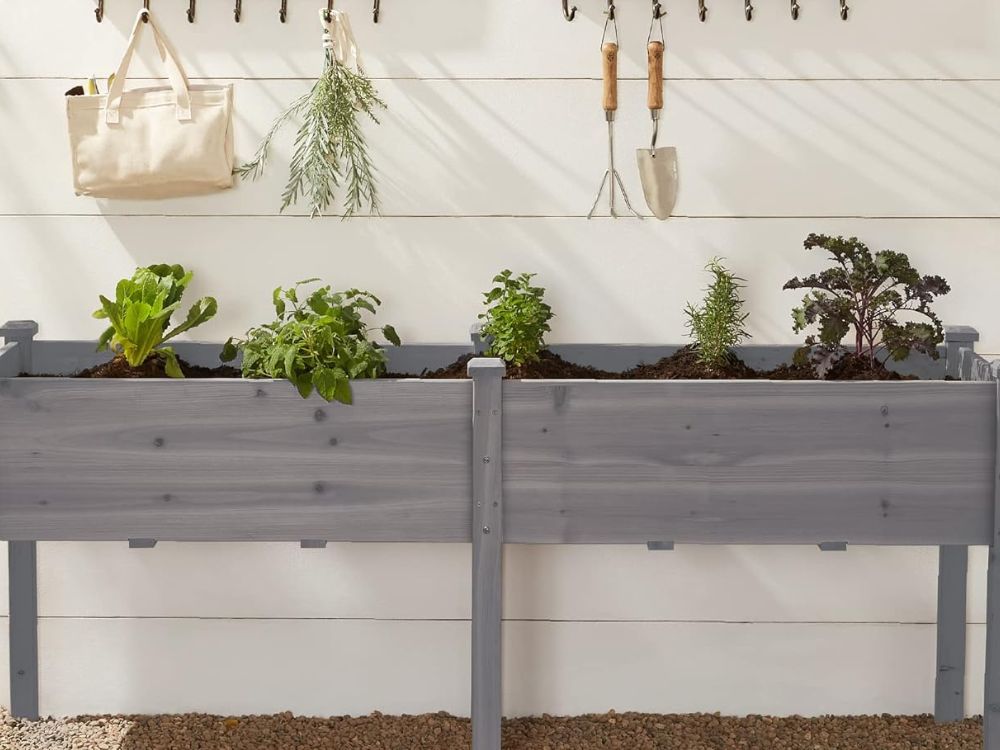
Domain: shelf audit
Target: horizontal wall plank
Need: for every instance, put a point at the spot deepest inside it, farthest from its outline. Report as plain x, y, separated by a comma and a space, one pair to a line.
541, 582
608, 281
745, 462
516, 38
539, 148
188, 460
323, 668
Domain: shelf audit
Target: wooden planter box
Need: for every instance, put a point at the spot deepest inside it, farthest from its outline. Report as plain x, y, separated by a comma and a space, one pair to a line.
492, 462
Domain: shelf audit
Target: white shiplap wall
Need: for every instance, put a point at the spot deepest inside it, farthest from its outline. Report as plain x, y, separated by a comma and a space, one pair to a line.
493, 144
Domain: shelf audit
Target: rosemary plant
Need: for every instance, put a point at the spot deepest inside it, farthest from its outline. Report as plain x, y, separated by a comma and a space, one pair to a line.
330, 147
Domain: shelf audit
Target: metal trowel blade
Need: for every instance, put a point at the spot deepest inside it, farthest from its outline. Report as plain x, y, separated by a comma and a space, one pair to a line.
658, 172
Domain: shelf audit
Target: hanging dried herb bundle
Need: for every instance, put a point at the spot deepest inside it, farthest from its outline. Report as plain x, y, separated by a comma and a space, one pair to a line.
330, 147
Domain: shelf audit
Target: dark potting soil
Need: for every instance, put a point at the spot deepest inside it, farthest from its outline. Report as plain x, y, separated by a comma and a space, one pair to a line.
154, 367
683, 364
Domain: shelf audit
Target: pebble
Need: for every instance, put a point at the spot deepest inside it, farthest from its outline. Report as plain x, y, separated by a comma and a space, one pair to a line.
441, 731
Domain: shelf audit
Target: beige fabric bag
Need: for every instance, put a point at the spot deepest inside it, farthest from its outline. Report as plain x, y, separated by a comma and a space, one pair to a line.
158, 142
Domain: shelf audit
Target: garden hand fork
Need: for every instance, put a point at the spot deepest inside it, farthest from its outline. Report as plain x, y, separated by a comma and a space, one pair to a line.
609, 55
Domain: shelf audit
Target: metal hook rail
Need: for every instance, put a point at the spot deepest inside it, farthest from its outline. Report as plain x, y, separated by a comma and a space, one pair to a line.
192, 10
748, 10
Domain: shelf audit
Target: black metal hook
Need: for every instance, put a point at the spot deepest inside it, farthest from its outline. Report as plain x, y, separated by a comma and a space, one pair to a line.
568, 14
283, 12
328, 13
702, 11
238, 11
376, 10
99, 11
795, 10
844, 10
658, 11
748, 9
145, 11
191, 10
611, 10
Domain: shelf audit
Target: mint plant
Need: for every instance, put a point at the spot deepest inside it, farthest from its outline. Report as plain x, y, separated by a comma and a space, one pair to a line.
717, 325
140, 314
319, 342
517, 318
871, 295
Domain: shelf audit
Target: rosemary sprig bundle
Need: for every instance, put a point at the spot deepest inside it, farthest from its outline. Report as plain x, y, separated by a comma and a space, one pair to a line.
330, 147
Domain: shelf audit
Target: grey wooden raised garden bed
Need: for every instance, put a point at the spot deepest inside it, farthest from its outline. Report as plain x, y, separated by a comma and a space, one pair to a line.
491, 462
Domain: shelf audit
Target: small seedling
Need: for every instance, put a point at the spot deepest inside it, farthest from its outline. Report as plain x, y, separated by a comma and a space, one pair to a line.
866, 293
319, 342
717, 326
140, 315
517, 318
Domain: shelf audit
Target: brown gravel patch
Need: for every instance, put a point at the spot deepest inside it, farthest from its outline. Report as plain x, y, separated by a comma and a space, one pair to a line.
626, 731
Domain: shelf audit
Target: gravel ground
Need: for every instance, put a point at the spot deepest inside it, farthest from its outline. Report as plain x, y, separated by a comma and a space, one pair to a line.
611, 731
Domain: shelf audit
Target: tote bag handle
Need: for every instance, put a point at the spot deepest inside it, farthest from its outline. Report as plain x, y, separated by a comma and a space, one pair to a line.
178, 81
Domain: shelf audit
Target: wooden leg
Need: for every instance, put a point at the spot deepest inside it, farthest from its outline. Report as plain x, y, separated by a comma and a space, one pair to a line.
949, 684
22, 575
487, 553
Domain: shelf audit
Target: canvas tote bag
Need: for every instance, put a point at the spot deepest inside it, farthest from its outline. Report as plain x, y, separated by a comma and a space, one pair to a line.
158, 142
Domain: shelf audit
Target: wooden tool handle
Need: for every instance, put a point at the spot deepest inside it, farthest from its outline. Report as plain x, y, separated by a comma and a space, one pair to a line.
609, 54
654, 97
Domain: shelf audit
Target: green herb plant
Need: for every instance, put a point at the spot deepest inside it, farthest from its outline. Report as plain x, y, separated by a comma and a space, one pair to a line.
867, 293
318, 340
329, 147
717, 325
139, 316
517, 318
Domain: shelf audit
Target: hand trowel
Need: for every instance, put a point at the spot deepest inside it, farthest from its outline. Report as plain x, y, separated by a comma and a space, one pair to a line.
657, 166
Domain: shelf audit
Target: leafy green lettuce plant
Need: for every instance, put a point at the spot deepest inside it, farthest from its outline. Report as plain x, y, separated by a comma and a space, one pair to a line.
517, 318
320, 341
866, 293
717, 326
139, 316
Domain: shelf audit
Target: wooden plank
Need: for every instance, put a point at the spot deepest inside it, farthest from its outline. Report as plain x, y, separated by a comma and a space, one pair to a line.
23, 592
321, 667
949, 683
843, 161
514, 38
748, 462
230, 460
487, 551
69, 357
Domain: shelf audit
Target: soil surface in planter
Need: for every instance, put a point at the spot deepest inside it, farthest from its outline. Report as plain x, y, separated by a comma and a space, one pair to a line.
627, 731
154, 367
681, 365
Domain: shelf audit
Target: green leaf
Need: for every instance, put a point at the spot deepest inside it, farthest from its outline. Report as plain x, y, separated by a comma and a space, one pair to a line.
391, 336
325, 381
229, 351
171, 365
201, 312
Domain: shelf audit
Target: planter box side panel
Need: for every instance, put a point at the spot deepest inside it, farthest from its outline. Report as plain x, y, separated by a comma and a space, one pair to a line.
233, 460
748, 462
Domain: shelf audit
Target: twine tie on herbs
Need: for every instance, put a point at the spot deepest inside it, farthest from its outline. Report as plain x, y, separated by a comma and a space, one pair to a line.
338, 39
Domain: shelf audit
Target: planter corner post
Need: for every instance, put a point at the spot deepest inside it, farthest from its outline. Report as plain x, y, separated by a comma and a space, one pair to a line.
487, 551
22, 333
